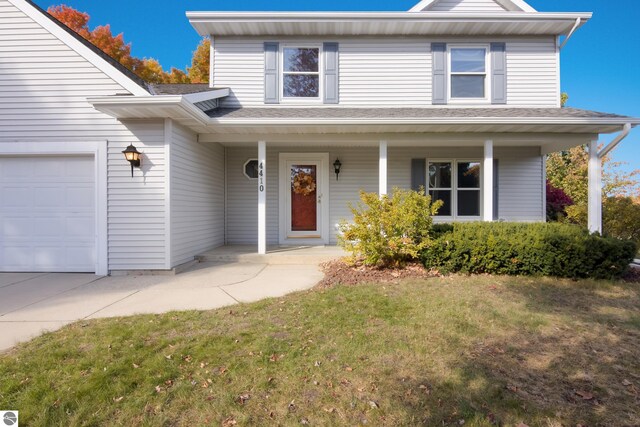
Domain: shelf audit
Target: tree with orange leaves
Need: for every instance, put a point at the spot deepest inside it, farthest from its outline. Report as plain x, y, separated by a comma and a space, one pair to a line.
148, 69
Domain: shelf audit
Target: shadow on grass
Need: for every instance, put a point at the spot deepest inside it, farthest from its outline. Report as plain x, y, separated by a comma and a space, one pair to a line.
569, 355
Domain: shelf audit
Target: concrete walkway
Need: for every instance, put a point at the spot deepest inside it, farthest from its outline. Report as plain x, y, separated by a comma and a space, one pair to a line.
31, 303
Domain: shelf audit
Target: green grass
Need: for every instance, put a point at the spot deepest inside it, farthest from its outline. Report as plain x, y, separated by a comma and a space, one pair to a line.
485, 350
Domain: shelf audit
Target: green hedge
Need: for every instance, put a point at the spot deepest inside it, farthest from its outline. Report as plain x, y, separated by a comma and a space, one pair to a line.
536, 249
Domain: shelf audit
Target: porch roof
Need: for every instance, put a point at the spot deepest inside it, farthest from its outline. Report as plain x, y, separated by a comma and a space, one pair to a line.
330, 120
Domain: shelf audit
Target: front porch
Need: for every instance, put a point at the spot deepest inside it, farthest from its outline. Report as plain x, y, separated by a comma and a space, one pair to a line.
503, 179
275, 255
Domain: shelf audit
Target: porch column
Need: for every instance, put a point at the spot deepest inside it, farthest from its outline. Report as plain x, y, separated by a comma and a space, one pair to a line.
262, 197
382, 179
595, 188
487, 182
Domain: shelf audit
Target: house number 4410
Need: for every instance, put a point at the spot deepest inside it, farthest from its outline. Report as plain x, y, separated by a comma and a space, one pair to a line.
261, 177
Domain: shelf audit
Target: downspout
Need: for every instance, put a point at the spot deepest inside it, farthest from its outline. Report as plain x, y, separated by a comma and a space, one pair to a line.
595, 179
573, 30
618, 139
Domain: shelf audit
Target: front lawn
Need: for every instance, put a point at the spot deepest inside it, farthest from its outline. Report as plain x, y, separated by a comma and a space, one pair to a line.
486, 350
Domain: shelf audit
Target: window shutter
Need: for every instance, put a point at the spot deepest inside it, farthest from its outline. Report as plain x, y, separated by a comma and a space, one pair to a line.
271, 77
418, 174
439, 83
496, 188
331, 73
498, 73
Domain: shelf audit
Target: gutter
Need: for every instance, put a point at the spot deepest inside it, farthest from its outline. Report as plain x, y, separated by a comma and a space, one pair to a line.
617, 140
203, 16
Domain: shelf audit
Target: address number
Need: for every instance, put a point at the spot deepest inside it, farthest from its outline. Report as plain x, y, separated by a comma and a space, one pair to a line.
261, 177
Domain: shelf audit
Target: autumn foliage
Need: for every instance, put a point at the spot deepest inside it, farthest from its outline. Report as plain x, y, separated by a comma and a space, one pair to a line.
148, 69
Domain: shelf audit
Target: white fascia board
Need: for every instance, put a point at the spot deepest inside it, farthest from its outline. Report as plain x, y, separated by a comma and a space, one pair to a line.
420, 6
296, 17
523, 5
113, 103
207, 96
519, 4
369, 23
79, 47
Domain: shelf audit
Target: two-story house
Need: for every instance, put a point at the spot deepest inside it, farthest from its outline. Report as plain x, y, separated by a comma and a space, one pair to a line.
304, 110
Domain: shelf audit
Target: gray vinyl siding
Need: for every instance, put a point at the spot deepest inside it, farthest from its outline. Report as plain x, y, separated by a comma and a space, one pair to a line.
44, 85
242, 195
520, 195
136, 206
521, 185
389, 72
466, 6
532, 73
197, 195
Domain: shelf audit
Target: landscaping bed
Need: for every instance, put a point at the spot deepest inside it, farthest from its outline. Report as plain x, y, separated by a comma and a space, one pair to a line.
340, 272
455, 350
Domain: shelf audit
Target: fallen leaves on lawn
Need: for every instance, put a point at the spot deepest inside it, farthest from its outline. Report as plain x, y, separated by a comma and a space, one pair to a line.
229, 422
585, 395
243, 398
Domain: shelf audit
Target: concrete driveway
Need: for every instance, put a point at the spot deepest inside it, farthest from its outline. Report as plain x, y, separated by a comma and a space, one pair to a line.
31, 303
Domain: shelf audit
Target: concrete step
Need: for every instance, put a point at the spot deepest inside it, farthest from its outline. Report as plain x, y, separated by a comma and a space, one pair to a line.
275, 256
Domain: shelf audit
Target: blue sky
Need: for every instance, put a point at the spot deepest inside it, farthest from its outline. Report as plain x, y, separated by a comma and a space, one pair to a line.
600, 65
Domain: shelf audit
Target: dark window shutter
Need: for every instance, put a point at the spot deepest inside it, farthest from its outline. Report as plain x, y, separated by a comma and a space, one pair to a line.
331, 73
271, 71
418, 174
498, 73
439, 88
496, 189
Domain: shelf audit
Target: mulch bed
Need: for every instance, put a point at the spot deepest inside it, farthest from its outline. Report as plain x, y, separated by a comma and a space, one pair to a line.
339, 272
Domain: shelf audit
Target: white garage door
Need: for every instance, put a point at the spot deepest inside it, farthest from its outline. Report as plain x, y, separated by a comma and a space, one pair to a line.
47, 214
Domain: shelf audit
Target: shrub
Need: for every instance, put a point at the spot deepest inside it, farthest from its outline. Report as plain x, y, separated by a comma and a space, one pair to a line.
389, 230
620, 217
557, 202
551, 249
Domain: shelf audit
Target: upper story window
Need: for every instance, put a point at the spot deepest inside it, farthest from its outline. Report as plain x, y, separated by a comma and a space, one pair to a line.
468, 75
301, 72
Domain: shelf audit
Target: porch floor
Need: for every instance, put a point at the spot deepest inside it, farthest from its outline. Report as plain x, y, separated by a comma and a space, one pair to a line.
276, 255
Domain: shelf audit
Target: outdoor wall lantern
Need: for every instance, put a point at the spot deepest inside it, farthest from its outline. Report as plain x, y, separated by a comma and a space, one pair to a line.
133, 156
336, 167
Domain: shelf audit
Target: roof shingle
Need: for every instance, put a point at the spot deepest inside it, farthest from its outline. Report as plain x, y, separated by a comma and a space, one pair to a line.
404, 113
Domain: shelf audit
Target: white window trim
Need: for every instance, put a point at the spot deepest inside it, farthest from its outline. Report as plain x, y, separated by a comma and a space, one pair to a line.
454, 189
244, 169
301, 100
487, 74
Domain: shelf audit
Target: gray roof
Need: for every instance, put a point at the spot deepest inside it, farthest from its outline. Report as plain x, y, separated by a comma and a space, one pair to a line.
180, 89
404, 113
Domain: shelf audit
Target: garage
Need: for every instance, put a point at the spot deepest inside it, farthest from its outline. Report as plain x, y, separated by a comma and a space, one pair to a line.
47, 214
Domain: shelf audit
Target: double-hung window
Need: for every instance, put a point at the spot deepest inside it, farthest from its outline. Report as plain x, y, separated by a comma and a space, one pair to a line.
457, 184
468, 67
301, 72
